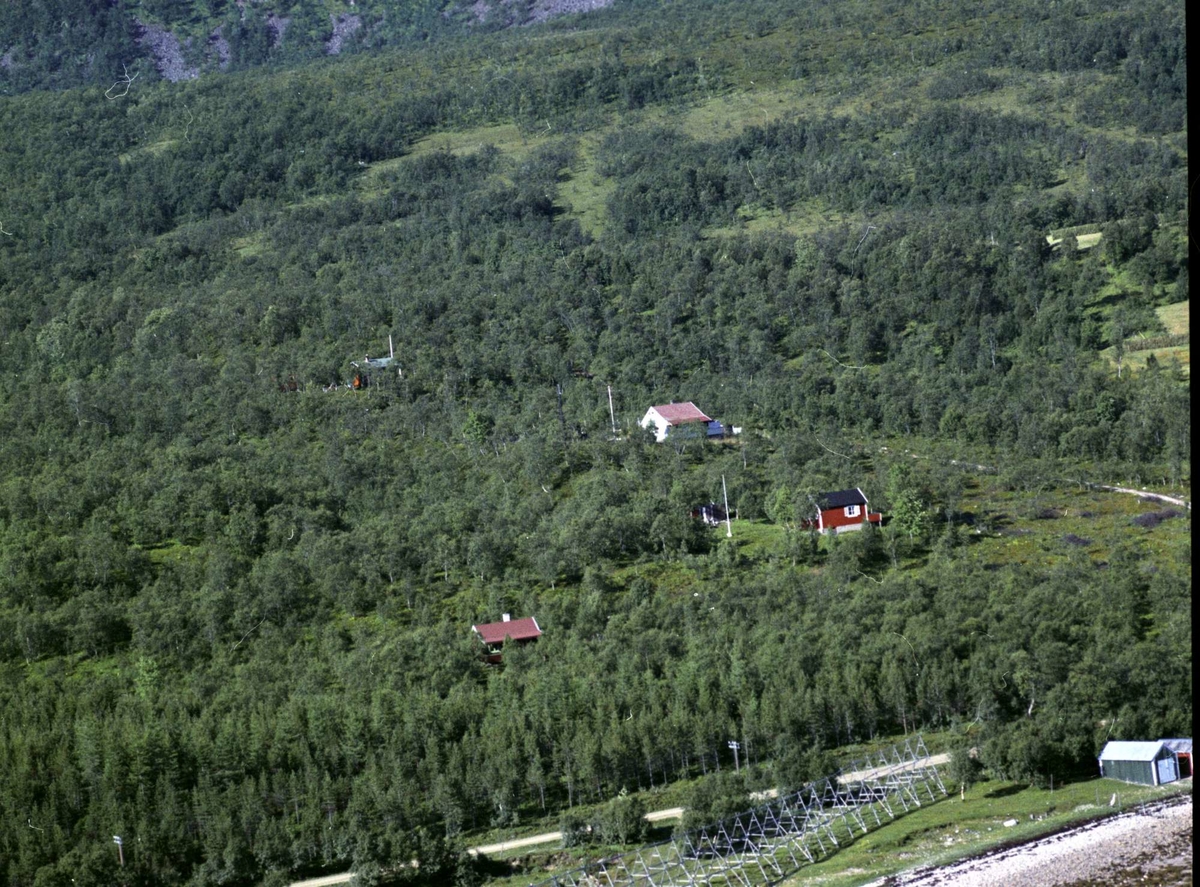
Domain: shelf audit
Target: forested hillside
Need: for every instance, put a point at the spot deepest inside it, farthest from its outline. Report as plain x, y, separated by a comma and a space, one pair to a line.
236, 593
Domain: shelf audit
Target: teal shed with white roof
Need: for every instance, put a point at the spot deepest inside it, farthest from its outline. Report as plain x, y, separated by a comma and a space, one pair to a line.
1147, 763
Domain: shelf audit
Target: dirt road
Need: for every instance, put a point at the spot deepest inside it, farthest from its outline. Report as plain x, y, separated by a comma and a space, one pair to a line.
501, 847
1157, 497
547, 837
516, 843
324, 880
875, 772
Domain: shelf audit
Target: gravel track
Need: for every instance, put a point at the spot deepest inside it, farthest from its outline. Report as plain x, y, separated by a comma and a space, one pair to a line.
1149, 846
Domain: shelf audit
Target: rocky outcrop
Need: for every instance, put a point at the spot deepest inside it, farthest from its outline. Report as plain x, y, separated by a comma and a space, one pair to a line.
278, 25
542, 10
167, 52
344, 26
511, 14
171, 60
218, 46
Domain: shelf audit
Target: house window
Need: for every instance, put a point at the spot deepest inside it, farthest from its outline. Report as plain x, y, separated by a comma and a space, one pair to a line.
852, 511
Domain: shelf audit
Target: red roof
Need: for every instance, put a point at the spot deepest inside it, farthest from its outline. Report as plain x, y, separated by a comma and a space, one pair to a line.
681, 413
518, 629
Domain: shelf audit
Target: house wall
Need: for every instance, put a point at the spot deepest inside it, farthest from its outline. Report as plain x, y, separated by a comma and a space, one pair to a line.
1163, 769
1141, 772
658, 423
835, 519
1167, 769
662, 429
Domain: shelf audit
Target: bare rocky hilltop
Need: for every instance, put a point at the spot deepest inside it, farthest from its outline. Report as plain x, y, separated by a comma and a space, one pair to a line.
176, 58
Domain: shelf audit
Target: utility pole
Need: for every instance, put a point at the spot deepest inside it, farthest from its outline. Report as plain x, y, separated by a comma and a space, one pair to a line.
120, 851
728, 522
735, 745
611, 415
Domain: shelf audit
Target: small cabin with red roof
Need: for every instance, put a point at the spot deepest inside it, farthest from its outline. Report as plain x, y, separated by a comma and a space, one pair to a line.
494, 635
841, 511
666, 417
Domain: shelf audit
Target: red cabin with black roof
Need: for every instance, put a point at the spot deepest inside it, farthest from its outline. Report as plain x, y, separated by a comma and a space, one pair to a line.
841, 511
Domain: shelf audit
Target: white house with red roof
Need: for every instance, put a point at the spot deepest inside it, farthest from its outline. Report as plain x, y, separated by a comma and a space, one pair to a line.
495, 634
665, 417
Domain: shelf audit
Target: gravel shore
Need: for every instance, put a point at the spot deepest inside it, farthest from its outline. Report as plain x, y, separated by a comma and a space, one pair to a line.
1145, 847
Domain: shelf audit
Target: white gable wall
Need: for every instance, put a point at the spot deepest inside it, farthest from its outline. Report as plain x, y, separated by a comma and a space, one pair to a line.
660, 425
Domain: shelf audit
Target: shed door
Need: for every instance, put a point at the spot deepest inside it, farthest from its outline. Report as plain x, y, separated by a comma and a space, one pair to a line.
1167, 770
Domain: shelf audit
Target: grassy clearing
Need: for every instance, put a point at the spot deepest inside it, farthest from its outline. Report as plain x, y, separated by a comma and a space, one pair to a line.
1166, 351
674, 577
809, 218
583, 191
727, 115
1002, 523
756, 540
956, 828
507, 137
1176, 318
1050, 526
1082, 241
151, 150
250, 245
749, 103
1136, 360
720, 116
1051, 96
172, 551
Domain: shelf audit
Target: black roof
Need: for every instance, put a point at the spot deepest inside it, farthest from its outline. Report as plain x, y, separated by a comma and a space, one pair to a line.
842, 498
